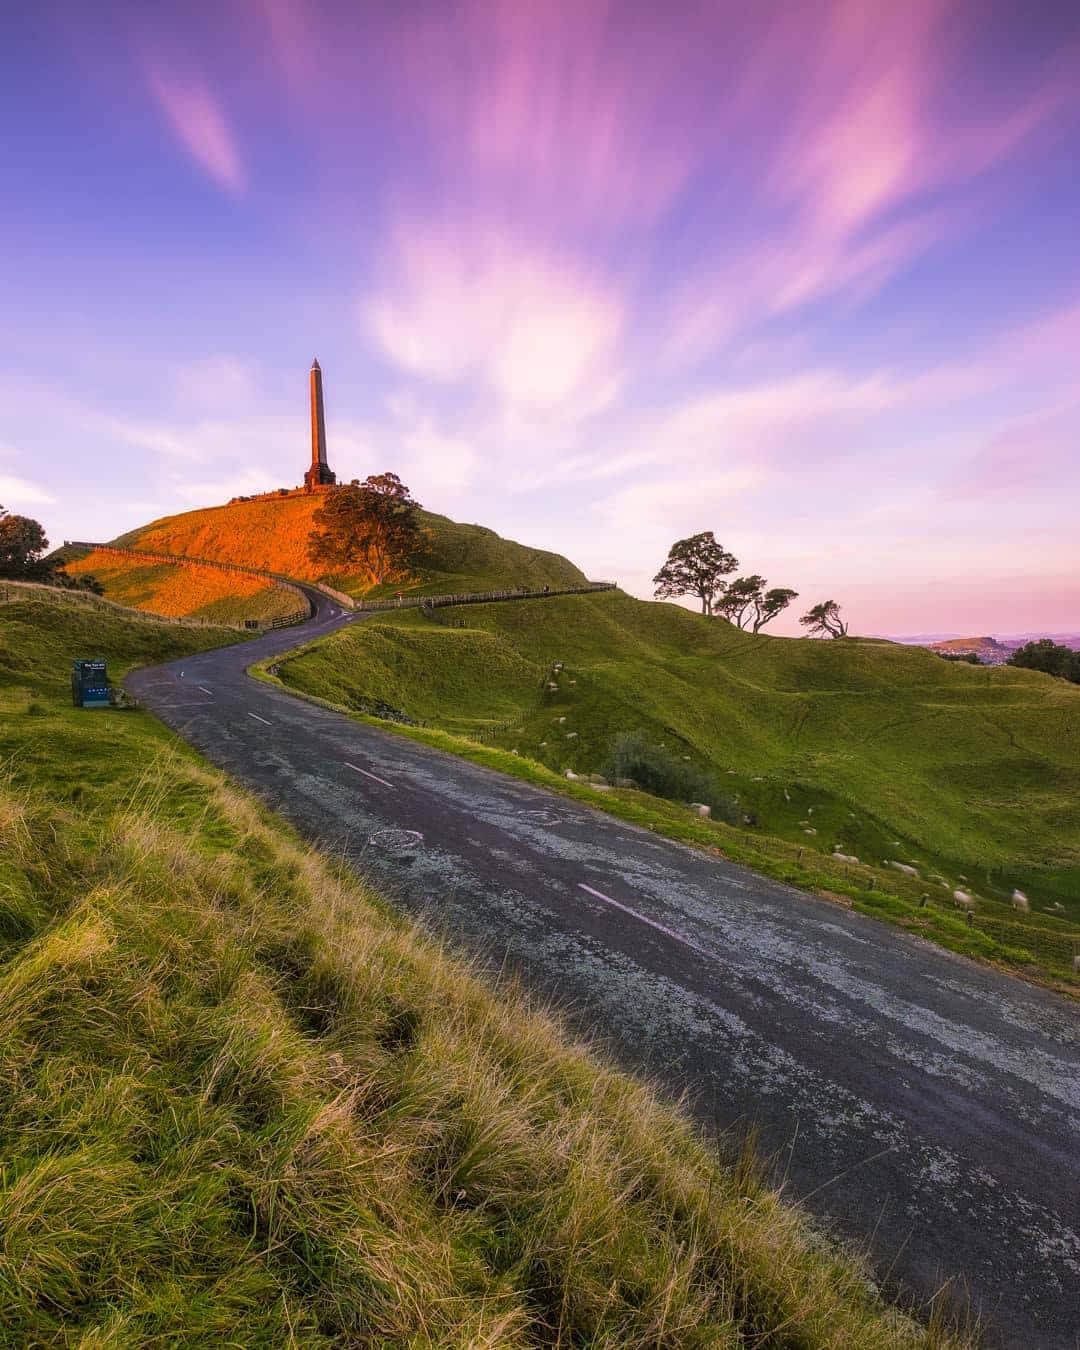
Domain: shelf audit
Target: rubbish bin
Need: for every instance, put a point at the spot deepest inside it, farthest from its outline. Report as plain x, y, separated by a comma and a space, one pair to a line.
89, 684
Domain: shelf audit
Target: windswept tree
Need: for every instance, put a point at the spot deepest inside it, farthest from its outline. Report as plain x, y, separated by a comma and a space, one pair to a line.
824, 620
370, 525
747, 603
695, 566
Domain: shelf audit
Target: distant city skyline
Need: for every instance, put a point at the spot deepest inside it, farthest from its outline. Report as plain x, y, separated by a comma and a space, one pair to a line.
597, 276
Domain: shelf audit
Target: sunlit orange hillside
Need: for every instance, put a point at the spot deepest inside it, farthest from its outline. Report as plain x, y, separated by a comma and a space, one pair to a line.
185, 590
272, 533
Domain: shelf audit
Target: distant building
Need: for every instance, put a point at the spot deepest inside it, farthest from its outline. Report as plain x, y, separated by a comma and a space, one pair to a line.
320, 475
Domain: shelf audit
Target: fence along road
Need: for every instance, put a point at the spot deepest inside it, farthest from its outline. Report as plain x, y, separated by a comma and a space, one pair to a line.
303, 590
925, 1106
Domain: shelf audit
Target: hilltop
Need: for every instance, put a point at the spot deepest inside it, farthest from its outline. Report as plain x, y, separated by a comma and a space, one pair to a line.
249, 1105
272, 533
880, 751
987, 649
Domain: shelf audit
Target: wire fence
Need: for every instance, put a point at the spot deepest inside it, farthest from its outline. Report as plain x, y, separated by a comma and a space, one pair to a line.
12, 591
302, 612
482, 597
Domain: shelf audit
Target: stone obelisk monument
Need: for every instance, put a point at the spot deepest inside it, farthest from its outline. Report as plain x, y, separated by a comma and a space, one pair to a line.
319, 475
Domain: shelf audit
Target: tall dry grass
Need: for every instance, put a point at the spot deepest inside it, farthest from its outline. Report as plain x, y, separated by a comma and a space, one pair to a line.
243, 1103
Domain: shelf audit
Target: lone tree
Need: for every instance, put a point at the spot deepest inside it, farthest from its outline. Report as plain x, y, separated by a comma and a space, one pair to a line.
748, 604
22, 542
695, 566
370, 524
824, 619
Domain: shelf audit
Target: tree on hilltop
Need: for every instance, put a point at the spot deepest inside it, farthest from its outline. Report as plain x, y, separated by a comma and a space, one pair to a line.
695, 566
824, 620
371, 525
748, 604
1053, 658
22, 543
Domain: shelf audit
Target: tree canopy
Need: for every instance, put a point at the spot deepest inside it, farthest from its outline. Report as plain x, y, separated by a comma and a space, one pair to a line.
824, 620
747, 603
1053, 658
370, 525
22, 543
22, 546
695, 566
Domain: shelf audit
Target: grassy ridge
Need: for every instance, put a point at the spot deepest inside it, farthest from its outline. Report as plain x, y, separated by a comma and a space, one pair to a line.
185, 591
970, 773
243, 1103
273, 534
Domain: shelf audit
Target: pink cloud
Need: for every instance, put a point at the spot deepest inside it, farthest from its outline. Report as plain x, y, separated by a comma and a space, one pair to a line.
197, 121
580, 108
1028, 457
474, 301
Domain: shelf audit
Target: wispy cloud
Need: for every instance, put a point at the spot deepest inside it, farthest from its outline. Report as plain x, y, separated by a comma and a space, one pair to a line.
196, 119
21, 492
477, 303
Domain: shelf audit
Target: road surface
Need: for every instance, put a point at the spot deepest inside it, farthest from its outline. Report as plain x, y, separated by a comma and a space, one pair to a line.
923, 1105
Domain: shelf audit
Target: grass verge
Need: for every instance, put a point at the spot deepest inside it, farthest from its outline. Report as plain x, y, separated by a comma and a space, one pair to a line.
1041, 953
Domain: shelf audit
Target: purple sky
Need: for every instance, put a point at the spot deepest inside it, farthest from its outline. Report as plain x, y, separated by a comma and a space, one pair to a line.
597, 276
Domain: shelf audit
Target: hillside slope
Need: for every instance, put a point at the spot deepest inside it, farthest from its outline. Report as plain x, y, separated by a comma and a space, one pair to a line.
246, 1105
272, 533
181, 590
884, 751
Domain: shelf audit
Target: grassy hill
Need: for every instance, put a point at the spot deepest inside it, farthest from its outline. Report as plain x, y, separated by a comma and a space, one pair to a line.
272, 533
244, 1104
885, 752
183, 591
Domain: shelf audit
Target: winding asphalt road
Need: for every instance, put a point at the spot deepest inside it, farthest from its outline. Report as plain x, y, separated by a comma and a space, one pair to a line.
923, 1105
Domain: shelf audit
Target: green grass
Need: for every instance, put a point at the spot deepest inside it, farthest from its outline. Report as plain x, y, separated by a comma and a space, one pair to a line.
472, 558
972, 774
243, 1103
273, 534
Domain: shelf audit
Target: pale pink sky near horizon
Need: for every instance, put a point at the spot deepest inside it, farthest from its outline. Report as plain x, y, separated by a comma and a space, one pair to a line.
596, 275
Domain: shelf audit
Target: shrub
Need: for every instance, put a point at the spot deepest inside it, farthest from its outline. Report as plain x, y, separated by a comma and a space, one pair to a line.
654, 769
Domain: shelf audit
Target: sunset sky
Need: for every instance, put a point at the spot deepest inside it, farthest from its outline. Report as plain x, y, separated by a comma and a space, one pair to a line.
596, 276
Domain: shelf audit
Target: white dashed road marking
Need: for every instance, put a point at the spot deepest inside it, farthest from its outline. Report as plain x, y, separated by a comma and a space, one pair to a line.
652, 923
375, 776
204, 689
260, 719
